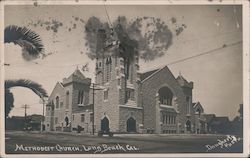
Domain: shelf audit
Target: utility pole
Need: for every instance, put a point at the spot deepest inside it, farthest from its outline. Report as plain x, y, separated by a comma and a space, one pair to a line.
93, 97
43, 117
93, 121
25, 107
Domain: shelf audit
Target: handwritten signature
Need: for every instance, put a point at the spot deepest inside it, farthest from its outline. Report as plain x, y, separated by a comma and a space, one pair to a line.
225, 143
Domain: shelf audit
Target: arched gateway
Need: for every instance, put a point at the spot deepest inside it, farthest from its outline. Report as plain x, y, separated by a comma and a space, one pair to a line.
131, 125
105, 124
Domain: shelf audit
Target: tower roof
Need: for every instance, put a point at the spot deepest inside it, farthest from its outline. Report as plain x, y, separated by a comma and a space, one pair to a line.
183, 82
77, 76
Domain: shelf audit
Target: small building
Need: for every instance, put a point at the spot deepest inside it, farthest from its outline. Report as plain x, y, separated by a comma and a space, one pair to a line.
69, 105
220, 125
30, 122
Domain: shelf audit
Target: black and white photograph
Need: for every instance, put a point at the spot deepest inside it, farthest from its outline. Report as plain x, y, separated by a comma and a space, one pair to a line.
121, 78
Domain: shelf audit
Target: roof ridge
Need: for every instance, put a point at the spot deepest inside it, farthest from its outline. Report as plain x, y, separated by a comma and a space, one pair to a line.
155, 71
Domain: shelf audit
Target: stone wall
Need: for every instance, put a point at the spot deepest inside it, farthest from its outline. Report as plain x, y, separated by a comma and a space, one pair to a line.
150, 88
86, 124
125, 114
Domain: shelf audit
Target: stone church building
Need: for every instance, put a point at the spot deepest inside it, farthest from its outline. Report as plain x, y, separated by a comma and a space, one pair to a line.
150, 102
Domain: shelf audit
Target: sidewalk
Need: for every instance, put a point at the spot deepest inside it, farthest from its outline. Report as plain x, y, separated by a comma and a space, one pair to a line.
137, 134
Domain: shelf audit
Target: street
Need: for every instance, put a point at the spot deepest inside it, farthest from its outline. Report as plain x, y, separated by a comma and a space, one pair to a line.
67, 143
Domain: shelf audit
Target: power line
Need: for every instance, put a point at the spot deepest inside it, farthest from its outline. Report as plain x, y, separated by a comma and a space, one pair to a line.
106, 11
205, 53
25, 107
201, 54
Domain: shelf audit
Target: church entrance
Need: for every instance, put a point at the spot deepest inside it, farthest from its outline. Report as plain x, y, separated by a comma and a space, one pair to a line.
105, 125
188, 125
131, 125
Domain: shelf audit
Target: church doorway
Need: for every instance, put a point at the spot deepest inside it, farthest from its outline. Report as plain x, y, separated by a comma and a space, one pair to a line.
66, 119
188, 125
105, 125
131, 125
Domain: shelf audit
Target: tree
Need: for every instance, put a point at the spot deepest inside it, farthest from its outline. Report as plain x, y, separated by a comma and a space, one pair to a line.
9, 99
237, 123
152, 35
147, 38
32, 47
30, 41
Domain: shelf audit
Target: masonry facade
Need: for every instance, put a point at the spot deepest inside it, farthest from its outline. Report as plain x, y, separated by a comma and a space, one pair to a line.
125, 101
69, 105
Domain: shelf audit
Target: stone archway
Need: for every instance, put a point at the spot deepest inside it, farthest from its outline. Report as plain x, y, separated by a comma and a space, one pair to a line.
131, 125
105, 124
66, 119
188, 125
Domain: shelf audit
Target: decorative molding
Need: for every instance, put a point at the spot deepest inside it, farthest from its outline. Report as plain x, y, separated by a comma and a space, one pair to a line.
132, 107
130, 86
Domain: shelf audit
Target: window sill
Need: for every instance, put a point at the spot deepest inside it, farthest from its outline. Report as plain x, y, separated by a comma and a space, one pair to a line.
81, 105
167, 106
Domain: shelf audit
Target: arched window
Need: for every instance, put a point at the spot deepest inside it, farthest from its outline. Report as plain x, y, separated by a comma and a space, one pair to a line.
108, 68
67, 99
105, 124
57, 102
80, 97
110, 64
199, 111
131, 125
165, 96
188, 125
131, 74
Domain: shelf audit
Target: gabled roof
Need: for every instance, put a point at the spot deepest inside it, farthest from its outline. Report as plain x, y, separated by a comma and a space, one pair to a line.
147, 74
180, 79
222, 119
77, 74
58, 85
198, 105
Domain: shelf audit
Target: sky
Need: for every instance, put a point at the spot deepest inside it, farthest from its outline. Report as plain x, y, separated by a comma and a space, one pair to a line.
217, 76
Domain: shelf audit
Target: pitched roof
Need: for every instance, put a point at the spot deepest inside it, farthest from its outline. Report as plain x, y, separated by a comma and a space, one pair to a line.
147, 74
222, 119
198, 105
219, 120
77, 74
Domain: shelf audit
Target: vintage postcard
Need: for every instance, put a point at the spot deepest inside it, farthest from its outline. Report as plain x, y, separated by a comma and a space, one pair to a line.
124, 78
